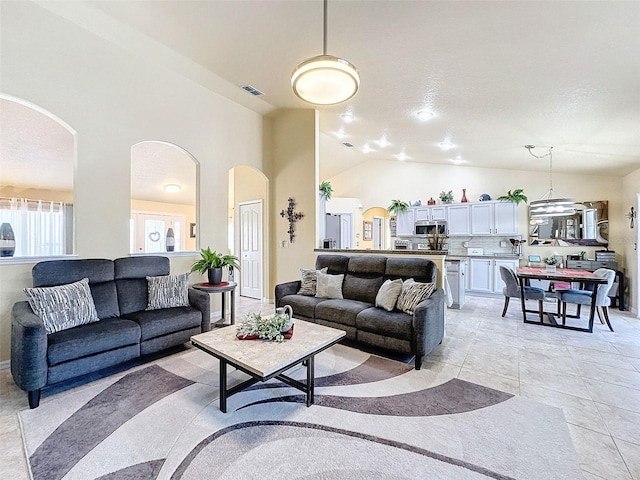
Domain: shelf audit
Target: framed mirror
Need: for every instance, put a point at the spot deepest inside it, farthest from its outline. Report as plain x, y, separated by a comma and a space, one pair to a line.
589, 226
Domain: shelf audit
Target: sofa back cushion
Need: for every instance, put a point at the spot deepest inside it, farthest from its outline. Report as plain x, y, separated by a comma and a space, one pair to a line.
365, 275
420, 269
131, 280
99, 271
335, 264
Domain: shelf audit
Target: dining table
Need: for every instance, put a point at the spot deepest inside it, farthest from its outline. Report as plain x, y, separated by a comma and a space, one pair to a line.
568, 276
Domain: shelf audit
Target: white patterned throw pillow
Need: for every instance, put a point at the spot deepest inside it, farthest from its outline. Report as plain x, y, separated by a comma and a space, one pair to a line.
309, 280
412, 294
63, 306
167, 291
388, 294
329, 286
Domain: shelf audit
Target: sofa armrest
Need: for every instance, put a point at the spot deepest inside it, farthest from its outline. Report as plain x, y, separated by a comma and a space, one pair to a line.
284, 289
428, 323
200, 300
28, 348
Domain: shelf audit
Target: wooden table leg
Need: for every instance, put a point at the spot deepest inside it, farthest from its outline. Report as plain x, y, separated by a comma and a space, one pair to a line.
593, 308
524, 310
233, 306
222, 318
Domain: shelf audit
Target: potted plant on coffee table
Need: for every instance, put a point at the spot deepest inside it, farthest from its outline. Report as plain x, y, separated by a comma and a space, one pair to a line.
212, 263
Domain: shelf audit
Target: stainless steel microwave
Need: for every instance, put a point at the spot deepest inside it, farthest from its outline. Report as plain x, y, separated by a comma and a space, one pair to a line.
429, 228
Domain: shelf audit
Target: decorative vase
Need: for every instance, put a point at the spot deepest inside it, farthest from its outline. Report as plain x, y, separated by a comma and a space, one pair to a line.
431, 201
464, 196
214, 275
7, 240
171, 240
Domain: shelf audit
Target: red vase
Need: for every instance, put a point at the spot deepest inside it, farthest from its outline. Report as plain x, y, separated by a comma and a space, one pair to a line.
464, 196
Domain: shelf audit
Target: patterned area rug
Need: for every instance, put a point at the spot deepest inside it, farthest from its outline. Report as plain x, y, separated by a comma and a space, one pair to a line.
373, 418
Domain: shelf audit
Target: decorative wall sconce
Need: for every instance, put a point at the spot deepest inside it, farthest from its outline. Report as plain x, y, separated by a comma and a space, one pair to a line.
631, 216
292, 217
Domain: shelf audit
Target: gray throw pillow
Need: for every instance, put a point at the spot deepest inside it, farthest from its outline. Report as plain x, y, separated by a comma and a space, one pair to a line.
329, 286
413, 293
388, 294
309, 280
167, 291
63, 306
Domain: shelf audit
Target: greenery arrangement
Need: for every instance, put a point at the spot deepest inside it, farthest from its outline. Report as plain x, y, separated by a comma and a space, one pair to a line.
266, 328
516, 196
326, 190
211, 259
551, 261
397, 206
446, 197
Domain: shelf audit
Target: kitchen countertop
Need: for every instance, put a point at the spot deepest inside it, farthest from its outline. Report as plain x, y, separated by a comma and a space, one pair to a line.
382, 252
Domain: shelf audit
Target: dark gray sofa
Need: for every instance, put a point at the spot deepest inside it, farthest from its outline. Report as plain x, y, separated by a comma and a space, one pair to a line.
356, 314
125, 330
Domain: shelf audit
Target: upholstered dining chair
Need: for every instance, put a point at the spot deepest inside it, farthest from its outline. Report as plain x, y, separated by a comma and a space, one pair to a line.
583, 297
512, 290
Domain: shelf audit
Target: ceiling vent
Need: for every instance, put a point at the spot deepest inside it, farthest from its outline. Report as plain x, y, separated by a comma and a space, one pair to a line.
347, 144
252, 90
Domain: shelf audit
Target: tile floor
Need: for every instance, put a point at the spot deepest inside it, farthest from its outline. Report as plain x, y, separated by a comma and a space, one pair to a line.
594, 378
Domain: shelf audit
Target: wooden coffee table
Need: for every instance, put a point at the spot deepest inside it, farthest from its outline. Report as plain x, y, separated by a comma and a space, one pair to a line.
264, 360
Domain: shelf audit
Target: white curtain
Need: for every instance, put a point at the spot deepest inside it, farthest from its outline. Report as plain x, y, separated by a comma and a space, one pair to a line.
39, 227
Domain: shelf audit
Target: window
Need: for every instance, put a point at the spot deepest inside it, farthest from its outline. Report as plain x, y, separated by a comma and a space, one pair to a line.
41, 228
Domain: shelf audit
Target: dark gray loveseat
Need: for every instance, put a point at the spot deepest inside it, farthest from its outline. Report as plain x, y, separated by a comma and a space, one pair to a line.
356, 314
125, 330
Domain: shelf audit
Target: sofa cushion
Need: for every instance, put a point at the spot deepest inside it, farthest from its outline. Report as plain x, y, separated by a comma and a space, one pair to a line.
413, 293
340, 311
367, 264
154, 323
388, 294
335, 264
63, 306
329, 286
363, 289
393, 324
168, 291
131, 282
420, 269
309, 281
91, 339
302, 305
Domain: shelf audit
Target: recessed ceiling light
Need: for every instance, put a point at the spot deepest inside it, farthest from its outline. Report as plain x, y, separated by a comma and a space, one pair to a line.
383, 142
347, 117
402, 156
457, 161
172, 188
340, 134
367, 149
446, 145
425, 115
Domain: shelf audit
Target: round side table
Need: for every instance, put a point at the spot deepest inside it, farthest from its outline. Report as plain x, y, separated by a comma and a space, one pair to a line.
221, 288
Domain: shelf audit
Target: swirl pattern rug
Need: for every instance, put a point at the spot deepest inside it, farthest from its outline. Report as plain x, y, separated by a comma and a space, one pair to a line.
373, 418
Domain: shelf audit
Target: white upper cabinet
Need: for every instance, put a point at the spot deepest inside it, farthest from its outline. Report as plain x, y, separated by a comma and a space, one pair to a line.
494, 218
405, 222
458, 219
431, 213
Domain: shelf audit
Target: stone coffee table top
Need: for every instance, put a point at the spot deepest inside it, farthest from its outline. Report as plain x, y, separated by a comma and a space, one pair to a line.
264, 357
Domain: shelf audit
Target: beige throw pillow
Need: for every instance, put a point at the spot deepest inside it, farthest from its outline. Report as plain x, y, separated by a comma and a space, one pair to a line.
412, 294
309, 279
329, 286
388, 294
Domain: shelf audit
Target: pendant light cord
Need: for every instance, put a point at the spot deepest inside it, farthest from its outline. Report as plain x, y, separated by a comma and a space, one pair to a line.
324, 33
550, 155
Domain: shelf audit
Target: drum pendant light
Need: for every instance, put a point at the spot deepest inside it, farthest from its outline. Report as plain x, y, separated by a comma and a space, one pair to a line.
325, 79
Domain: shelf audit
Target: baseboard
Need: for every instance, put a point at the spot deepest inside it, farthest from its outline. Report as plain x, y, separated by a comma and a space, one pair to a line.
5, 365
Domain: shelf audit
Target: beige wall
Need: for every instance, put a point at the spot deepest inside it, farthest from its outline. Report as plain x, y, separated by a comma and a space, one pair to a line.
30, 193
114, 99
367, 216
630, 192
294, 174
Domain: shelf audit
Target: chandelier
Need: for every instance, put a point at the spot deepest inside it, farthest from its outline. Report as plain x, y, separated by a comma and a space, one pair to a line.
325, 79
548, 206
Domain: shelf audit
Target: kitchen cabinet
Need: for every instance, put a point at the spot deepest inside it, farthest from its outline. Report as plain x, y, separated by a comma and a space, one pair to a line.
404, 223
431, 213
484, 273
494, 218
456, 278
458, 219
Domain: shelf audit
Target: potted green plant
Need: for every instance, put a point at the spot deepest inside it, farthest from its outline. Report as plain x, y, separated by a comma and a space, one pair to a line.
516, 196
326, 190
272, 327
212, 263
446, 197
552, 263
397, 206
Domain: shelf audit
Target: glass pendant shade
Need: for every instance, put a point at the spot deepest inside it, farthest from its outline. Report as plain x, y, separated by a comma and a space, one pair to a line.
325, 80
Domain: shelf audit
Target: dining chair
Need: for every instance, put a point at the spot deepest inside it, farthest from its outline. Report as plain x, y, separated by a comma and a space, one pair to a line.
583, 297
512, 289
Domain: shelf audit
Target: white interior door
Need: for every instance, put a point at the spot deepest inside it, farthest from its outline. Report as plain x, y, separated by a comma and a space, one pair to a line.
346, 232
377, 233
251, 249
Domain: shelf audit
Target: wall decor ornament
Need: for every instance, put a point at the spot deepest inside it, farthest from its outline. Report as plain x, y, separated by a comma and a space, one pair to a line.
464, 196
367, 233
7, 240
292, 217
631, 216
